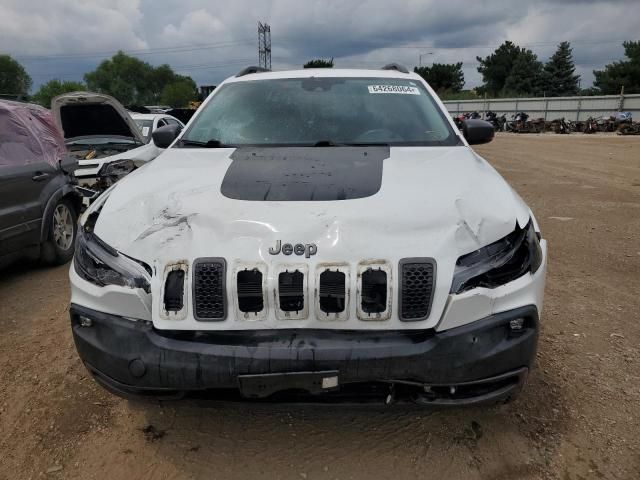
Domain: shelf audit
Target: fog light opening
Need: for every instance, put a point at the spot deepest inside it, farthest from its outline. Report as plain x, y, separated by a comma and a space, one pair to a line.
85, 321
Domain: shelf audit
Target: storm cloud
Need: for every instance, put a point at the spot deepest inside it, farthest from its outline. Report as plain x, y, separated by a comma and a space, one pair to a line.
212, 40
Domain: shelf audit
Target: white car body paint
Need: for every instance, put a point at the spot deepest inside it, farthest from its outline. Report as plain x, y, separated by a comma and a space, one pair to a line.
88, 169
437, 202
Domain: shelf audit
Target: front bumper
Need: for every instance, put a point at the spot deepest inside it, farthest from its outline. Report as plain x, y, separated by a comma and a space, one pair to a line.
485, 360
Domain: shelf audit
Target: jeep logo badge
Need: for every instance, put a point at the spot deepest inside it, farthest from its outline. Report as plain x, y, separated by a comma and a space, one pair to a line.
308, 249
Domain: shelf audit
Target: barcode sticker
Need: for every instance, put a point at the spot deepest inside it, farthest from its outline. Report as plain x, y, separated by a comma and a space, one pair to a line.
399, 89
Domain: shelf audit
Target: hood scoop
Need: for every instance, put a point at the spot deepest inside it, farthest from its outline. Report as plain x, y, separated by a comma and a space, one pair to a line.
298, 174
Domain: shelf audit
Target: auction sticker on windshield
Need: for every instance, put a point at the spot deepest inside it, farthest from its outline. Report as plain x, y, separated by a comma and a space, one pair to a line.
401, 89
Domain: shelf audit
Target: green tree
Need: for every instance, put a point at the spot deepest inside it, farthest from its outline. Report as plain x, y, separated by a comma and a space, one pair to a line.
588, 92
558, 77
495, 68
178, 94
525, 75
132, 81
443, 77
160, 77
53, 88
14, 79
618, 74
319, 63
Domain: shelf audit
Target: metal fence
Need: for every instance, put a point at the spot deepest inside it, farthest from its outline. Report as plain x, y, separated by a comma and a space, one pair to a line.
571, 108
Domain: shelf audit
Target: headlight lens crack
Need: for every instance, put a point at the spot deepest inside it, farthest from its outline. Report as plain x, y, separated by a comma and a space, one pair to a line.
500, 262
100, 264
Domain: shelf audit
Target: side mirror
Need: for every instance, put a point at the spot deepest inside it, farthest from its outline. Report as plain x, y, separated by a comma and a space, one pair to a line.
164, 136
477, 131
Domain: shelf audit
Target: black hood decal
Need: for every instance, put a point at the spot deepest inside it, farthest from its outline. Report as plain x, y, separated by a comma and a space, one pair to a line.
304, 173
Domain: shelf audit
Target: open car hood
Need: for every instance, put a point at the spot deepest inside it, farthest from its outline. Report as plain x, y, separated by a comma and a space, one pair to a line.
88, 114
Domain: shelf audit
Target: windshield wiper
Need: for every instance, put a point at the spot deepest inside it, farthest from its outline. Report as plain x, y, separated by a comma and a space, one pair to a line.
208, 144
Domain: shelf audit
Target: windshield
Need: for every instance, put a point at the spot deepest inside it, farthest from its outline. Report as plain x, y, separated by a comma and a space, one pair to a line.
145, 127
321, 111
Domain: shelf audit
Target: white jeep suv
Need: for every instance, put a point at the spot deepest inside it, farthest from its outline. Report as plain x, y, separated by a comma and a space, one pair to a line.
316, 235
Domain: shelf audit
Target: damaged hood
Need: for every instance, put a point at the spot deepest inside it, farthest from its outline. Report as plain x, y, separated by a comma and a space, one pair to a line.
88, 114
374, 202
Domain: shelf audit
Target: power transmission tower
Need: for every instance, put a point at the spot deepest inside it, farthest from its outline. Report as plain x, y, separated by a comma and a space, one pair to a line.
264, 45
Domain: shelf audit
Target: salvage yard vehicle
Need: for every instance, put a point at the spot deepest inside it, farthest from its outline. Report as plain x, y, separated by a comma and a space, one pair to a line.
102, 136
313, 235
39, 205
149, 122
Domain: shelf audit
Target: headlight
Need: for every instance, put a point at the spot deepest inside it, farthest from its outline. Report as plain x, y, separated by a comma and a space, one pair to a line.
117, 169
499, 262
102, 265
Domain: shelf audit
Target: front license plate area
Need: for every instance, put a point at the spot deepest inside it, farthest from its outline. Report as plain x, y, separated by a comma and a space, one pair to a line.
262, 386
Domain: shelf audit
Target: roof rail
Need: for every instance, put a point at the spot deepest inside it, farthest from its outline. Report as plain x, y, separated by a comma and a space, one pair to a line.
396, 66
252, 69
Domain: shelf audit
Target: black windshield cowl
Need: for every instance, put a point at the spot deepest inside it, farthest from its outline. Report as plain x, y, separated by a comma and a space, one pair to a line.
207, 144
326, 143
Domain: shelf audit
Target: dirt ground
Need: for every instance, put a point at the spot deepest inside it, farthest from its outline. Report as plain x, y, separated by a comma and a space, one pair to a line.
578, 418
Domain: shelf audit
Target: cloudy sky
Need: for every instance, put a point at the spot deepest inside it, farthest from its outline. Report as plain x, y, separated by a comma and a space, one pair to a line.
210, 40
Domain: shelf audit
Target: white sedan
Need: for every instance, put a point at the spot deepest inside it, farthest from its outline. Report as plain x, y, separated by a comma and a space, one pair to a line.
148, 122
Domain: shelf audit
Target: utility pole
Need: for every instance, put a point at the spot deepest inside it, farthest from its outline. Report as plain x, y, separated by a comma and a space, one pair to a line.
264, 45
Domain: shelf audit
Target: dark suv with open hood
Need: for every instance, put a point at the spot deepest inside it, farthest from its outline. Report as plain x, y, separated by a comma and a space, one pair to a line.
39, 205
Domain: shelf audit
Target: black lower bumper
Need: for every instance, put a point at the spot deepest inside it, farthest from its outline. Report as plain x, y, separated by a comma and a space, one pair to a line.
486, 360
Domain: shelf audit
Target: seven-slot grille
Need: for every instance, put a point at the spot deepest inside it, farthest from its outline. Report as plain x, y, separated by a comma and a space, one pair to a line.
416, 288
209, 289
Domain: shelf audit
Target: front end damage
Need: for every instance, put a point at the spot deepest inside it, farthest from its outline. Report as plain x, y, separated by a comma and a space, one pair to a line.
311, 300
485, 361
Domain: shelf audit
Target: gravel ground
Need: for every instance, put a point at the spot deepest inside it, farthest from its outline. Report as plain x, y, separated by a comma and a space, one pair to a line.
578, 418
